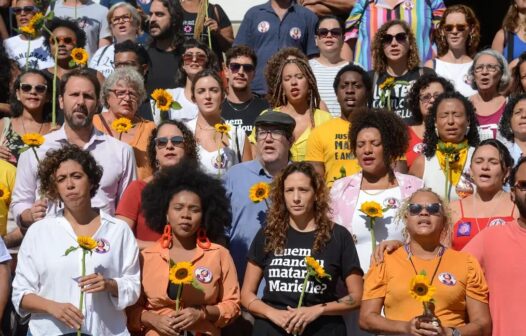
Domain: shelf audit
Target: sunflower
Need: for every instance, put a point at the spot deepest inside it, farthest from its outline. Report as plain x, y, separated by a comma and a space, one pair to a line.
121, 125
37, 20
372, 209
28, 30
5, 195
311, 262
182, 273
79, 56
421, 289
387, 83
163, 99
33, 139
222, 128
259, 192
86, 242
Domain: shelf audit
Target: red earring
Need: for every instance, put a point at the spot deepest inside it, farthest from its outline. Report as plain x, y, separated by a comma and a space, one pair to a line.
202, 240
166, 238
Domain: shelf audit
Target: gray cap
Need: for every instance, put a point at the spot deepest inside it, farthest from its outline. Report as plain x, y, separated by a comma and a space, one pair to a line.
273, 117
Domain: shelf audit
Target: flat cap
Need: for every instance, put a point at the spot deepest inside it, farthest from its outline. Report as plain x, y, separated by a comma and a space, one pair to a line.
273, 117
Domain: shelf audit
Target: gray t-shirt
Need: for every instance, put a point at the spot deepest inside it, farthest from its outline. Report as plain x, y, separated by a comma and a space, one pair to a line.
91, 18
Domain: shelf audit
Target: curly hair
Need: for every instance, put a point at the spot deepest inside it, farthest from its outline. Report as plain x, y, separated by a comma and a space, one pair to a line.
516, 85
505, 159
278, 216
430, 134
127, 76
190, 146
473, 39
505, 78
241, 50
54, 158
16, 105
211, 60
395, 138
176, 22
273, 66
505, 121
58, 22
378, 55
186, 176
422, 83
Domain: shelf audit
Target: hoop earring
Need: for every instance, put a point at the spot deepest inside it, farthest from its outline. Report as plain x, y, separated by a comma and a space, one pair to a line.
202, 240
166, 237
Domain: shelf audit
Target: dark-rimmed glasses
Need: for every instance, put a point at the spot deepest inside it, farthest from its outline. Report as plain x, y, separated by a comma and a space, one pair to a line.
400, 38
235, 67
198, 58
25, 9
460, 27
275, 134
39, 88
324, 32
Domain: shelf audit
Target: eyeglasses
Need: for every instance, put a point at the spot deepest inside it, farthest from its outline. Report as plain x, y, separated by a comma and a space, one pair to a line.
25, 9
39, 88
489, 67
431, 208
460, 27
118, 19
122, 94
198, 58
400, 38
63, 40
521, 185
162, 142
275, 134
427, 98
235, 67
324, 32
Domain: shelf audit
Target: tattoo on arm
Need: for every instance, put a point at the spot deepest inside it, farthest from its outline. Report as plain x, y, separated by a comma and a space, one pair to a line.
347, 300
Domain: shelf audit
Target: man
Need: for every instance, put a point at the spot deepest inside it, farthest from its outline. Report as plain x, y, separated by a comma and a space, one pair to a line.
166, 19
241, 107
275, 25
16, 47
79, 99
328, 147
501, 251
90, 16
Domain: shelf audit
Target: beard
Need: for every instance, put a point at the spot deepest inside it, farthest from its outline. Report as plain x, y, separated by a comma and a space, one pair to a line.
163, 34
79, 123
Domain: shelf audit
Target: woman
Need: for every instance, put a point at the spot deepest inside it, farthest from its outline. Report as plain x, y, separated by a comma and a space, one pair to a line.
449, 141
124, 22
396, 68
30, 113
513, 126
511, 39
377, 139
8, 72
461, 296
218, 149
457, 37
191, 209
490, 205
49, 282
298, 221
121, 94
201, 19
329, 39
518, 85
420, 99
196, 57
169, 144
491, 78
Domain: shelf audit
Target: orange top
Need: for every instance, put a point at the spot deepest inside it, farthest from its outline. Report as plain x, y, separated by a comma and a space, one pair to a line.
214, 271
139, 143
459, 275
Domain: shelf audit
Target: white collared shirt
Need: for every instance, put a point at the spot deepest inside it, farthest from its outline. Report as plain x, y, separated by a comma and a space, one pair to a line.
115, 157
44, 270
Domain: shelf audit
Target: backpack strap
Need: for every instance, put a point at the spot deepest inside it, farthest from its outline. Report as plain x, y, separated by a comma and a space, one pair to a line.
102, 54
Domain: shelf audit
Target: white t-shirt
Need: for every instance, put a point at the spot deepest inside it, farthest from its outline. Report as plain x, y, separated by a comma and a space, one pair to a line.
385, 228
457, 74
187, 113
102, 60
39, 57
325, 79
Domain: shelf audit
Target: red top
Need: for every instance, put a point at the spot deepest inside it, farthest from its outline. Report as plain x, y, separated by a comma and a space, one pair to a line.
467, 227
416, 147
130, 207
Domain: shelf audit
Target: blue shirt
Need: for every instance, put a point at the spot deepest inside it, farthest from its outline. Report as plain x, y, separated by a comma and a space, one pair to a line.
263, 30
247, 217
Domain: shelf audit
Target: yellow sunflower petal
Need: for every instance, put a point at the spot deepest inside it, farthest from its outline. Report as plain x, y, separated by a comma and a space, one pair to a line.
121, 125
163, 99
86, 242
181, 273
259, 192
79, 56
33, 139
222, 128
5, 195
372, 209
420, 288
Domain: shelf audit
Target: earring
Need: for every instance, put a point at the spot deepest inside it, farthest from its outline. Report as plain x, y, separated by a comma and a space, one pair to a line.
436, 132
166, 237
467, 130
202, 240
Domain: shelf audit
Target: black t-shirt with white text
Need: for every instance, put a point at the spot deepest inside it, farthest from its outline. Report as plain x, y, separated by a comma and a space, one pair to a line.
243, 115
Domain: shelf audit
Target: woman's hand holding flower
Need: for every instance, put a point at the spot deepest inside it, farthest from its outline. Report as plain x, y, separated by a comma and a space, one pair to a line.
301, 317
66, 313
186, 317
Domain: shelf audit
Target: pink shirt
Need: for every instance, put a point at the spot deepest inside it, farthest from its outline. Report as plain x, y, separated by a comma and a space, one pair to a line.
501, 251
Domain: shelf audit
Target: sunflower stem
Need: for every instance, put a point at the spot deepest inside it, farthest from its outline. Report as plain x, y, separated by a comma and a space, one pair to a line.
81, 303
447, 187
303, 291
373, 236
178, 297
54, 100
208, 28
28, 52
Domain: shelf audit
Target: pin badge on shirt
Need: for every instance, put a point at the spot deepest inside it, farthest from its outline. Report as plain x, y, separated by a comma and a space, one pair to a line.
497, 222
103, 246
464, 229
391, 203
263, 26
447, 279
203, 274
295, 33
408, 5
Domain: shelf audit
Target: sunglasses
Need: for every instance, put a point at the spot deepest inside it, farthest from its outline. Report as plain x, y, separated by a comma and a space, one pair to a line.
324, 32
162, 142
63, 40
235, 67
400, 38
521, 185
39, 88
25, 9
198, 58
460, 27
431, 208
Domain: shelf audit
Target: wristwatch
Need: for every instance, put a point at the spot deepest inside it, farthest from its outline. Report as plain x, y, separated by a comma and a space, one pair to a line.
455, 332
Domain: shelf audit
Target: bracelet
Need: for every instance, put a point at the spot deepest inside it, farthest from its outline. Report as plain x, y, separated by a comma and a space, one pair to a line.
251, 302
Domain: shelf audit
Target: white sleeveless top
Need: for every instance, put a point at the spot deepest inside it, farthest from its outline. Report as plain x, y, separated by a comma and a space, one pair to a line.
187, 112
457, 74
435, 178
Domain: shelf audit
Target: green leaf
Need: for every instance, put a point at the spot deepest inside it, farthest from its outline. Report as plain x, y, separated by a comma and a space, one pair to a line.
196, 285
51, 14
23, 149
72, 64
171, 263
176, 106
70, 249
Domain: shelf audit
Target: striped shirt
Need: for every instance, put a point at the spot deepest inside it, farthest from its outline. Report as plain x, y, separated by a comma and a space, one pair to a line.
368, 16
325, 78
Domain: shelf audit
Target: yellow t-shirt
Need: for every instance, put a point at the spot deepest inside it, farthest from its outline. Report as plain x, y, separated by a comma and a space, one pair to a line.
329, 144
459, 275
7, 183
298, 149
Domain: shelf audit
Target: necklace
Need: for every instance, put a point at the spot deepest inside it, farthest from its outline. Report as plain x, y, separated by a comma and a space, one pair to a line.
24, 127
374, 193
492, 210
242, 108
440, 253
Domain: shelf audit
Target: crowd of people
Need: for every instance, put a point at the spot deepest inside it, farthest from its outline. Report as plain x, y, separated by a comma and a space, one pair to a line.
331, 168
